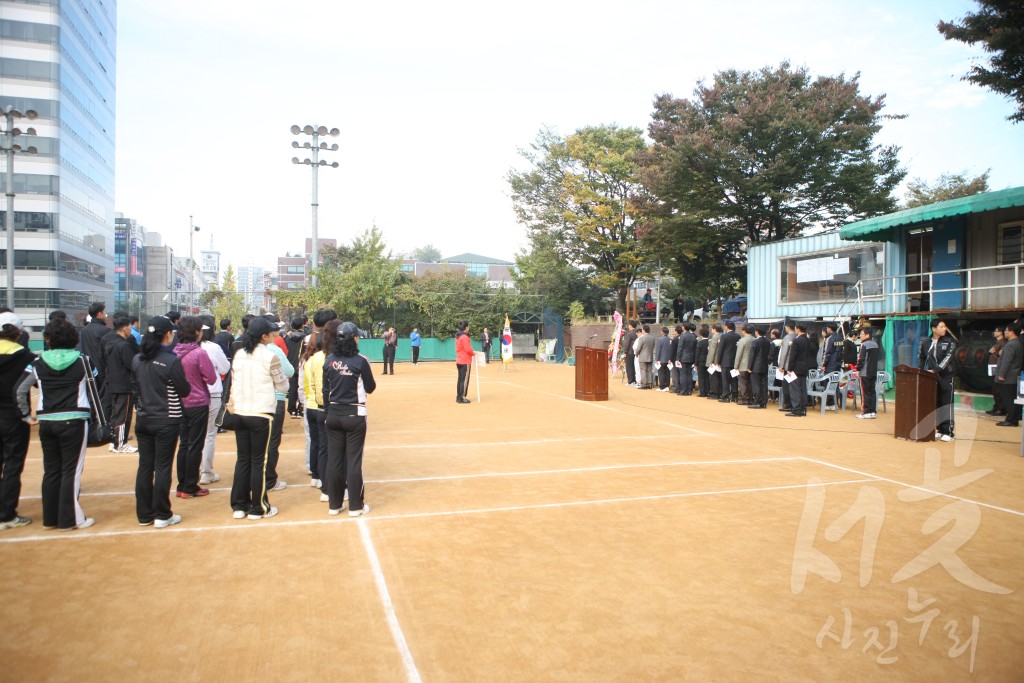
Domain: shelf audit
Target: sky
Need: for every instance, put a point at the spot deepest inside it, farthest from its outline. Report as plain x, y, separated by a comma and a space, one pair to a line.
434, 101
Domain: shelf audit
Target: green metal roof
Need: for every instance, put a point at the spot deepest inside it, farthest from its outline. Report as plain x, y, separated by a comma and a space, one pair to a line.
885, 227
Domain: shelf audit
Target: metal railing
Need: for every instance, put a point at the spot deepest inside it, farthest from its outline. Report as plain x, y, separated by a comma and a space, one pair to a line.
895, 289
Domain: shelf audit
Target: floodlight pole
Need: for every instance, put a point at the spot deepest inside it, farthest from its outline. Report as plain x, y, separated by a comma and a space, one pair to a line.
9, 147
316, 132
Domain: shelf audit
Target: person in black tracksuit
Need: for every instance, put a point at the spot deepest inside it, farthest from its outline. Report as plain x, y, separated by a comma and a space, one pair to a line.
936, 356
118, 352
348, 379
63, 415
14, 432
158, 385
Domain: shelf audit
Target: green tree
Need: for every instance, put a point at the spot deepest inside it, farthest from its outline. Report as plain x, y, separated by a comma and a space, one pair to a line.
758, 156
225, 301
948, 186
773, 152
582, 196
427, 254
999, 26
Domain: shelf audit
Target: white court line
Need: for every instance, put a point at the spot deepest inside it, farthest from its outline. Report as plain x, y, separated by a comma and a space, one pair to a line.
596, 404
1011, 511
411, 672
486, 475
178, 529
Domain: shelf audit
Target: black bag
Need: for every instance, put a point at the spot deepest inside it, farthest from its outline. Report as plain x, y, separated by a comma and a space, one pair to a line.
99, 429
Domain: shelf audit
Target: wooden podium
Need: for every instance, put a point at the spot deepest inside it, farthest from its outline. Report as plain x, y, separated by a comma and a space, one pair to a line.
591, 374
916, 391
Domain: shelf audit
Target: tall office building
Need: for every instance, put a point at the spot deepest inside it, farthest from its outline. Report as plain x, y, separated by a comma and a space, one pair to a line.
129, 264
57, 57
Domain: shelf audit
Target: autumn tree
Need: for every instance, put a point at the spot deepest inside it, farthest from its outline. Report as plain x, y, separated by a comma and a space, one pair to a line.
582, 194
437, 301
948, 186
225, 301
999, 26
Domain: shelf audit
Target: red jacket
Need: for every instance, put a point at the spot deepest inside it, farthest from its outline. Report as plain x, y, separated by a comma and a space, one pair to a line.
463, 349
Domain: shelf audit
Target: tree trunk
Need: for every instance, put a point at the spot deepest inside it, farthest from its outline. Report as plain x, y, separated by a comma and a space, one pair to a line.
620, 299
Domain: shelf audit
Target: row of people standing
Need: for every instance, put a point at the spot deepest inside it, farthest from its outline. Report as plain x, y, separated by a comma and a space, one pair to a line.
732, 365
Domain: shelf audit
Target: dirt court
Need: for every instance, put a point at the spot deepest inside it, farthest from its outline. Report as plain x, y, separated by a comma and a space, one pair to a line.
533, 537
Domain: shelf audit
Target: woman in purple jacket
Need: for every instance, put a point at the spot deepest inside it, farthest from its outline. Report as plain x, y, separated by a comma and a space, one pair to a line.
196, 406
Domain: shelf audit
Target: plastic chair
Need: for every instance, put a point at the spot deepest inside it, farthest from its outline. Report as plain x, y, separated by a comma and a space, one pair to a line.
883, 379
773, 384
823, 387
849, 382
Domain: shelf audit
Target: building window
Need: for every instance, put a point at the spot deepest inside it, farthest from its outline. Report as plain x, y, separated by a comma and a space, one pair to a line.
1010, 249
295, 270
832, 275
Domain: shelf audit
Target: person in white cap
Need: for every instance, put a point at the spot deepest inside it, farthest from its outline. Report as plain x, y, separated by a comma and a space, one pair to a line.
14, 432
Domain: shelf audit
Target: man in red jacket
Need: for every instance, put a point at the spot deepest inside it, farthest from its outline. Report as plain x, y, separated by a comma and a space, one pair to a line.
463, 361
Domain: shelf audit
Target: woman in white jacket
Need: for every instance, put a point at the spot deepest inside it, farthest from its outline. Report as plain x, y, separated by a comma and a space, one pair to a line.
256, 375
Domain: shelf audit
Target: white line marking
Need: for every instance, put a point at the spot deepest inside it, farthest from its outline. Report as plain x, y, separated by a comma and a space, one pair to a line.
177, 529
912, 486
484, 475
595, 404
411, 672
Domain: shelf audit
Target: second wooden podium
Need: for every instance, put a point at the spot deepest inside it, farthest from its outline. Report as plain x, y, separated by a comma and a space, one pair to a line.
915, 403
591, 374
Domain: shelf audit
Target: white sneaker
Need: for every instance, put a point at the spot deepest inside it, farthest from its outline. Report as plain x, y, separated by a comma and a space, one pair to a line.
945, 437
89, 521
209, 478
315, 483
239, 514
280, 485
163, 523
866, 416
271, 513
124, 448
324, 498
359, 513
334, 511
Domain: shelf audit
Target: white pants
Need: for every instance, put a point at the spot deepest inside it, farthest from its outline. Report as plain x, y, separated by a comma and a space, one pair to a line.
211, 436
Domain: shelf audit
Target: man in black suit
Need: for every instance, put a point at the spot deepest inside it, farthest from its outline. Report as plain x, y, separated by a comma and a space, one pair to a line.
687, 356
726, 359
701, 360
759, 351
627, 342
674, 354
800, 360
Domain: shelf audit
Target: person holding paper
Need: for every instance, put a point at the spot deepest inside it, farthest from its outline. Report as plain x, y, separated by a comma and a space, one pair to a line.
726, 361
663, 358
784, 347
685, 357
701, 361
742, 370
799, 362
715, 379
675, 387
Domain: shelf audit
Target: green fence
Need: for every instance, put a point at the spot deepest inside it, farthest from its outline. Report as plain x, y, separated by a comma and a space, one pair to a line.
430, 349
